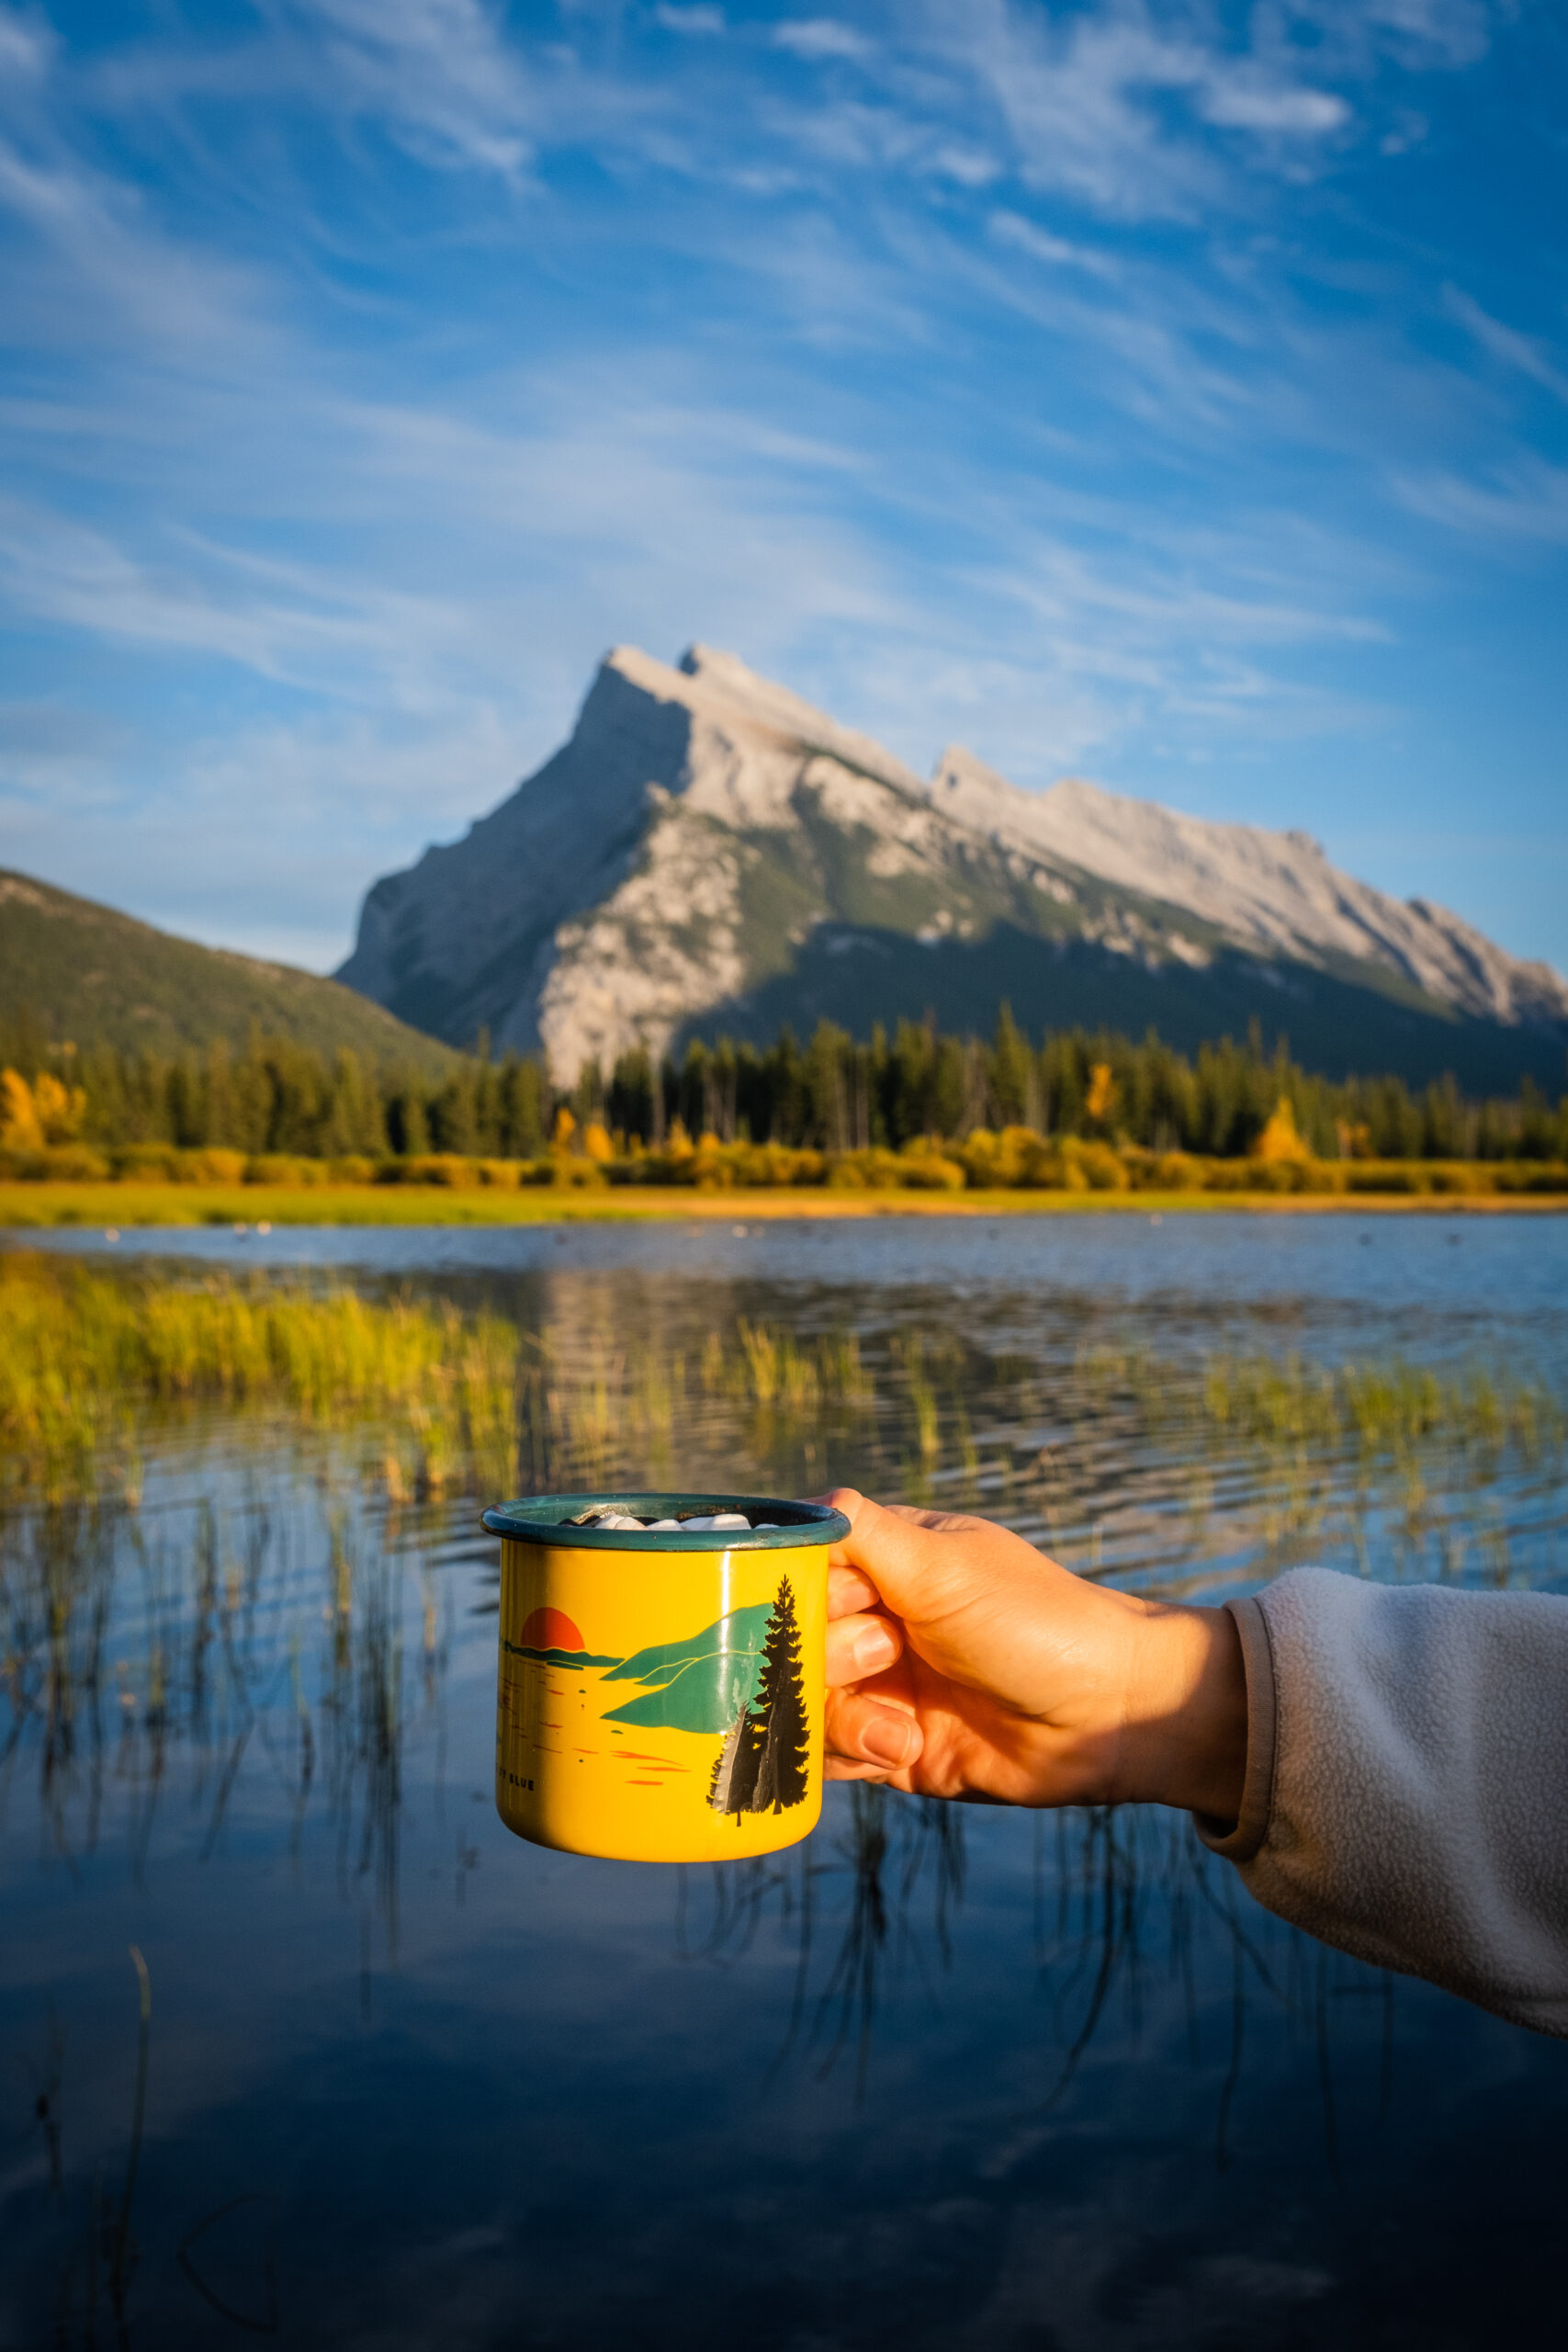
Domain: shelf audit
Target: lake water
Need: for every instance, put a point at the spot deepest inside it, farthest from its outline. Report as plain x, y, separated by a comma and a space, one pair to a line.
941, 2077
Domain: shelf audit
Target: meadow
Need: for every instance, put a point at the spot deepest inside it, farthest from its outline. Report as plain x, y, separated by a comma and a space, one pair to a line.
472, 1194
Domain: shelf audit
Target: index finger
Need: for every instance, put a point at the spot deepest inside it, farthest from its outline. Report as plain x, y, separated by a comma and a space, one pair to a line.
850, 1591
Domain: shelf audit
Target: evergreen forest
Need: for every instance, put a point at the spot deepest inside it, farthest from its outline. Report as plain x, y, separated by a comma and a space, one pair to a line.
831, 1094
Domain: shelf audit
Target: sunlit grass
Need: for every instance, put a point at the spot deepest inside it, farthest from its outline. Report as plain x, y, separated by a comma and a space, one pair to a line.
129, 1206
95, 1368
88, 1364
1386, 1407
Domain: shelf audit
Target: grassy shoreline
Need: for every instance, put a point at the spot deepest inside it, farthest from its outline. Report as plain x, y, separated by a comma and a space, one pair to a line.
99, 1367
120, 1207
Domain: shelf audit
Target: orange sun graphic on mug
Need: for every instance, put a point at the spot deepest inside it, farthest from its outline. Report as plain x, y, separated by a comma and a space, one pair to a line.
551, 1629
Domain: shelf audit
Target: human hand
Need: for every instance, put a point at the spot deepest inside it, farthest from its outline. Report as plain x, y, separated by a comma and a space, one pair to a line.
964, 1663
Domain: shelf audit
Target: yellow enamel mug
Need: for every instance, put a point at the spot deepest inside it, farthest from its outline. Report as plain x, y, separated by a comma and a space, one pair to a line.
660, 1691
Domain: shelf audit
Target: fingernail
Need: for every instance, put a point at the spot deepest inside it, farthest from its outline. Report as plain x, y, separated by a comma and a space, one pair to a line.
885, 1737
874, 1649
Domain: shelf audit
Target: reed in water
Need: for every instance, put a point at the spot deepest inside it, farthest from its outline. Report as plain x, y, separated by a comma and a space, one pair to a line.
95, 1368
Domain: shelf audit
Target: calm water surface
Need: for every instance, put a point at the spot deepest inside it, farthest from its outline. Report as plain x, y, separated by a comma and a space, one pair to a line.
939, 2077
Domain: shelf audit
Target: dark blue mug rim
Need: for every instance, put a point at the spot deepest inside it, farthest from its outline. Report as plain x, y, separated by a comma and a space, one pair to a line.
542, 1519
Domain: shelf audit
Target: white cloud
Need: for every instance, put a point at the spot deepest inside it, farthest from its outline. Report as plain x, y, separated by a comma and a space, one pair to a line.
1526, 500
99, 239
967, 166
1081, 101
27, 48
697, 21
1067, 98
1504, 343
1241, 101
1417, 33
816, 39
440, 74
1012, 229
293, 624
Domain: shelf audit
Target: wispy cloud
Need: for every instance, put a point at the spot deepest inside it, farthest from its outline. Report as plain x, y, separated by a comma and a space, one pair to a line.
1083, 97
982, 369
1522, 501
290, 624
1058, 253
438, 73
817, 39
1419, 34
27, 48
696, 21
1515, 350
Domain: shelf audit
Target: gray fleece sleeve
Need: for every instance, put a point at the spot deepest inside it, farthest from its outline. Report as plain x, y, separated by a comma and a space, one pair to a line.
1406, 1793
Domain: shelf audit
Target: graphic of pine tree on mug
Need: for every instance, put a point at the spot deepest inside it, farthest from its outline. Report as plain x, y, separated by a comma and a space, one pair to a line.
762, 1766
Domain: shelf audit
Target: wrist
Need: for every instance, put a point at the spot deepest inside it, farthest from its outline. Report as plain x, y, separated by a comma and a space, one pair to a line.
1183, 1739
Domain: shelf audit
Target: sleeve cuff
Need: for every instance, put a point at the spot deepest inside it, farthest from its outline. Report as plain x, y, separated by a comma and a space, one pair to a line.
1238, 1840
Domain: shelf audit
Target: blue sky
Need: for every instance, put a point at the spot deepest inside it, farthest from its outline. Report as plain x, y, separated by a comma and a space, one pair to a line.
1173, 395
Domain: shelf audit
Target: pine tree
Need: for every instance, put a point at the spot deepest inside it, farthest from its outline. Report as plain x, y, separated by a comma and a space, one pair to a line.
733, 1787
781, 1779
1011, 1061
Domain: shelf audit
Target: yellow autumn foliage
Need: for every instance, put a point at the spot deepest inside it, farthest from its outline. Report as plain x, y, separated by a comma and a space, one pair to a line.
46, 1112
19, 1126
1280, 1140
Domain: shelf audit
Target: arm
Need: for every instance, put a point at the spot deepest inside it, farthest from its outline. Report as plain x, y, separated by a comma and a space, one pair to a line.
1388, 1768
1406, 1791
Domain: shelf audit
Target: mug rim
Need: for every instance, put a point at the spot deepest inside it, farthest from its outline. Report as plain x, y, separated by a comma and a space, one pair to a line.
539, 1519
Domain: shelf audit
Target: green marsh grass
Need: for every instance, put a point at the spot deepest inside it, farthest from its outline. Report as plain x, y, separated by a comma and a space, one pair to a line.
1384, 1407
1146, 1459
89, 1364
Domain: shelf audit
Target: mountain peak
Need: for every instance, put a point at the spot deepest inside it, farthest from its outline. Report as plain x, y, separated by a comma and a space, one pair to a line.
711, 849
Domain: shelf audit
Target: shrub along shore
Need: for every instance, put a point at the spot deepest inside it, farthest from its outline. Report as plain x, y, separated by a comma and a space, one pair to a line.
1013, 1169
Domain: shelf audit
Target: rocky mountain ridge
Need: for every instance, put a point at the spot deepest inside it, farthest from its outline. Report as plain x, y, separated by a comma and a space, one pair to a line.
708, 851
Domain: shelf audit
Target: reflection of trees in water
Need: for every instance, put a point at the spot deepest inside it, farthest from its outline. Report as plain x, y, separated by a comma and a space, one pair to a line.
189, 1636
162, 1649
98, 2254
1173, 1471
1127, 1909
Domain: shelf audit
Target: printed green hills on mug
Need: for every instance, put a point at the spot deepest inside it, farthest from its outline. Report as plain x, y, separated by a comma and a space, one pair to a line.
699, 1684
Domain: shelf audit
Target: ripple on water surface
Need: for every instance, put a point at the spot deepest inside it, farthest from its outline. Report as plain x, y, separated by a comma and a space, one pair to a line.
940, 2077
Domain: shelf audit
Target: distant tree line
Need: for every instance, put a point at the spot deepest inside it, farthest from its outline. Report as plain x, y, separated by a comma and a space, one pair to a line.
831, 1094
837, 1096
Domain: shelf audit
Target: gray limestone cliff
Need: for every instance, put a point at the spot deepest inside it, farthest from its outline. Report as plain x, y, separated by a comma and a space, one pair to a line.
710, 852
